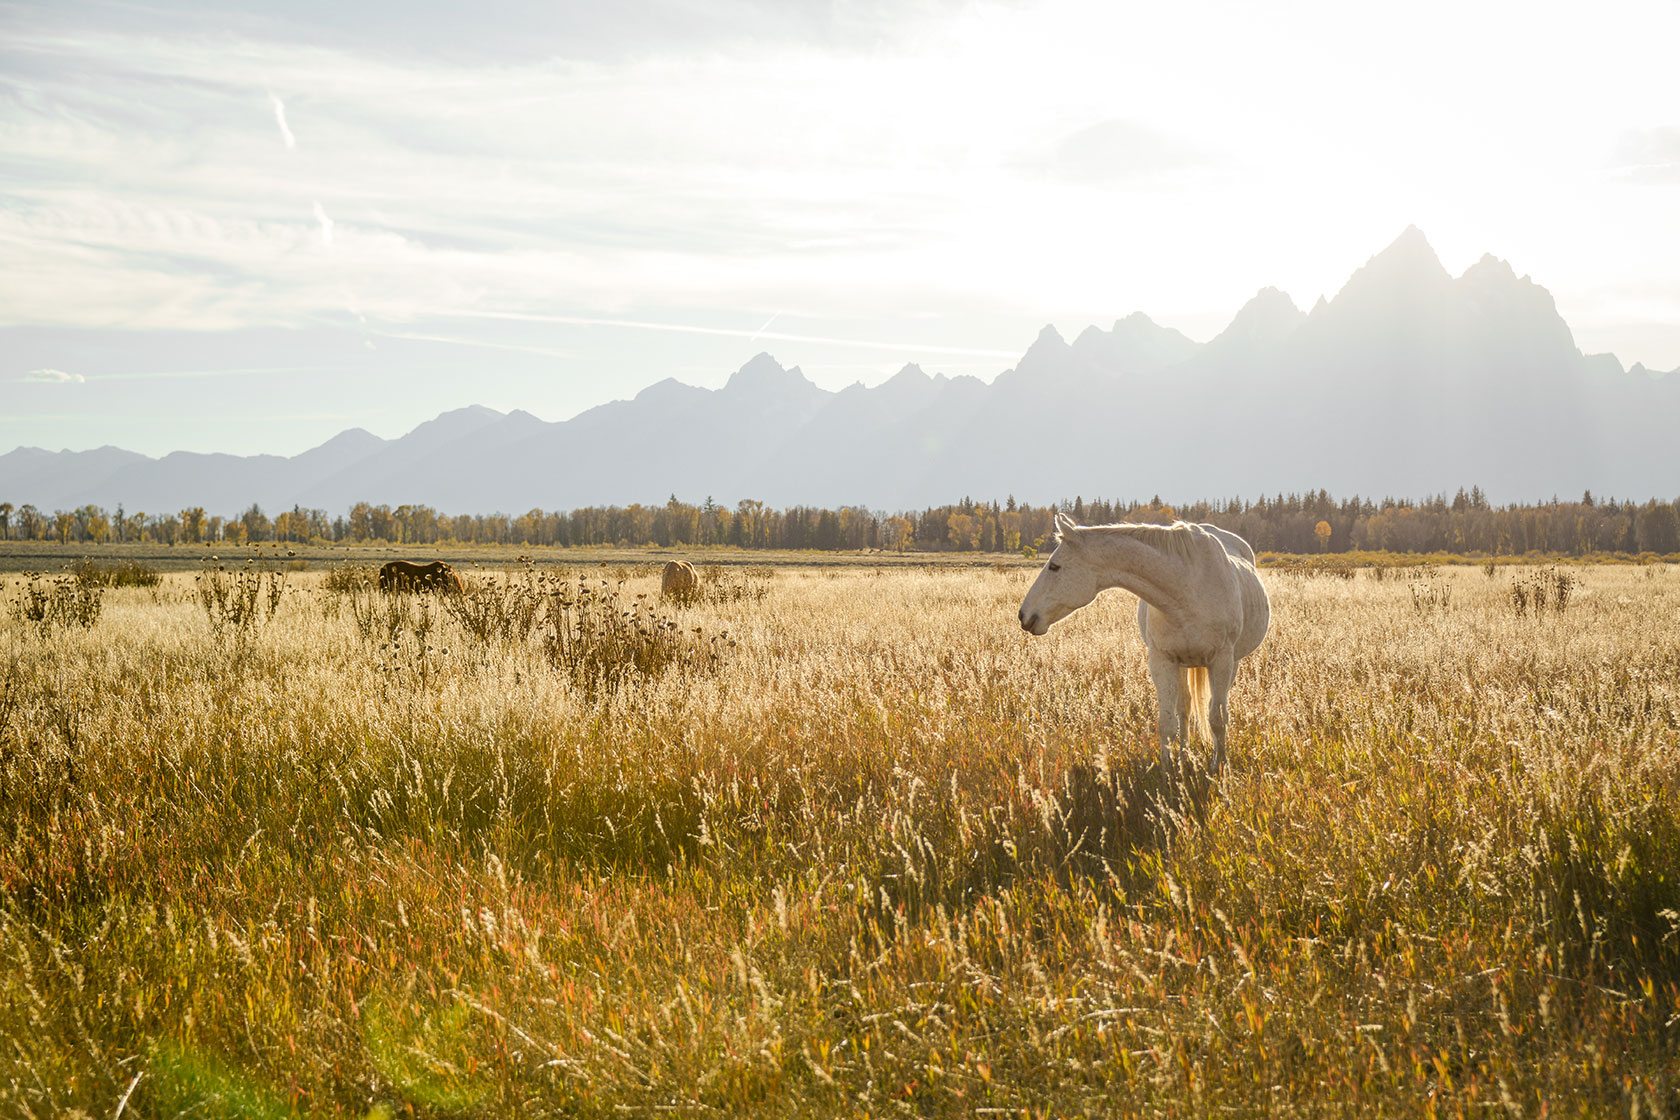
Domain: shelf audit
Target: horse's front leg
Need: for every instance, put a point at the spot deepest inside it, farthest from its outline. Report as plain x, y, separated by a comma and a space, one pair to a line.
1222, 670
1169, 703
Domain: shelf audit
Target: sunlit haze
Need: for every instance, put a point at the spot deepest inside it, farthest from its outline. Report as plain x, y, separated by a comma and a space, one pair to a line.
246, 227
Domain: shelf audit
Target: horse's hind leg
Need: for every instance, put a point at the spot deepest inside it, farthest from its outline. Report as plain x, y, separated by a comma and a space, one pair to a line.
1221, 672
1169, 703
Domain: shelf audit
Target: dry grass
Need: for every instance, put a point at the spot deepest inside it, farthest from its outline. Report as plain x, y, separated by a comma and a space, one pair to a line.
115, 573
887, 855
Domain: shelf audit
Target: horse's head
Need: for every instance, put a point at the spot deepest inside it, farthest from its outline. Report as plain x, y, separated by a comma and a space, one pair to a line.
1065, 584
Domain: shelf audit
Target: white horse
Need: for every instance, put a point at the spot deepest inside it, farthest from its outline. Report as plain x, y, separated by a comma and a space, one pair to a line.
1201, 609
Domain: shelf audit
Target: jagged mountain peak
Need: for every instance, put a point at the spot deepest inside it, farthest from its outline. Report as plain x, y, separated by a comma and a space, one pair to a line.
352, 436
1491, 267
1271, 305
1136, 344
1408, 381
1412, 242
764, 375
1049, 341
1269, 317
665, 387
1048, 353
1390, 291
1271, 298
470, 412
455, 421
759, 367
1603, 365
1491, 291
1409, 261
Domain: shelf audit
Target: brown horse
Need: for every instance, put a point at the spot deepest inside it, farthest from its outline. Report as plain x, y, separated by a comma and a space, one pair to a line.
400, 575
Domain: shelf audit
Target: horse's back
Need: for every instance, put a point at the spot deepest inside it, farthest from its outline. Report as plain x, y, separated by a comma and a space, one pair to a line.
1233, 544
1250, 594
679, 579
1256, 606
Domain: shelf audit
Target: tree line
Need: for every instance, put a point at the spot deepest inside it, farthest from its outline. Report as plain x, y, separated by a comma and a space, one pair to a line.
1291, 523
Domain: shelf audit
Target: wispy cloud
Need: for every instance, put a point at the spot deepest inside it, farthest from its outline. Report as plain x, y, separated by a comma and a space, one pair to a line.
326, 225
175, 374
485, 344
1649, 155
1115, 151
53, 377
736, 332
879, 162
280, 119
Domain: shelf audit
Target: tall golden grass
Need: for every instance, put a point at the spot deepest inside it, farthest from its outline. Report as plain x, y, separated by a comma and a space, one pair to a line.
883, 854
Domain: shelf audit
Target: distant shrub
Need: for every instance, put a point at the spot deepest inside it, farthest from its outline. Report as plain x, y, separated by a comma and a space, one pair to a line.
1314, 567
342, 579
117, 573
63, 602
625, 572
1546, 587
491, 611
1429, 591
603, 641
721, 584
237, 603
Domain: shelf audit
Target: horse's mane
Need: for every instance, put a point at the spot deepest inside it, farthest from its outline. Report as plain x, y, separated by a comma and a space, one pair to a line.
1177, 540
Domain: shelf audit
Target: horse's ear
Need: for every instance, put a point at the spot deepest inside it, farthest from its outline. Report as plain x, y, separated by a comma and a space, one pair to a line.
1064, 524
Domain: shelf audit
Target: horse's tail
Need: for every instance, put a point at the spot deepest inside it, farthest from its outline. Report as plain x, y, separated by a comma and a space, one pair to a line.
1197, 696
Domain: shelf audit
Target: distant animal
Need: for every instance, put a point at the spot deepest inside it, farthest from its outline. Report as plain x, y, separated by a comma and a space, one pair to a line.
1201, 609
400, 575
681, 581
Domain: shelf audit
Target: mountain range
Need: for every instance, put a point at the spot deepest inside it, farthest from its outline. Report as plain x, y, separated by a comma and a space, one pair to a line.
1408, 382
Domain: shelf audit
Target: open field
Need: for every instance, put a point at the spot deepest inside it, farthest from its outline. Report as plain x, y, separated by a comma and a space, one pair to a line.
49, 556
836, 841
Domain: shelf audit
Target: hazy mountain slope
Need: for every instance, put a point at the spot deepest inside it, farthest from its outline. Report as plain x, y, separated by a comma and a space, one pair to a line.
863, 445
1135, 344
671, 438
389, 467
1408, 381
53, 480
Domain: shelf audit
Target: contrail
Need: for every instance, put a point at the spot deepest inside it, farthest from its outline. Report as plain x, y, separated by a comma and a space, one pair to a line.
280, 119
729, 332
766, 325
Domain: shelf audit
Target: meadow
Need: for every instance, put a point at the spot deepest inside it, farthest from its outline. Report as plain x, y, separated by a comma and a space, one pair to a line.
834, 841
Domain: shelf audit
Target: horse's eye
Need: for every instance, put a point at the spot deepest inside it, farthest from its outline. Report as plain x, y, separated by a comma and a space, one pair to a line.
1053, 567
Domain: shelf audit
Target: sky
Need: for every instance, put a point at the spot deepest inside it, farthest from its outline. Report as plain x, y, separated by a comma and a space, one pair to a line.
247, 226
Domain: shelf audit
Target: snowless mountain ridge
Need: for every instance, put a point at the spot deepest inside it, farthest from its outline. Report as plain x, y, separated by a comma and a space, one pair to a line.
1408, 382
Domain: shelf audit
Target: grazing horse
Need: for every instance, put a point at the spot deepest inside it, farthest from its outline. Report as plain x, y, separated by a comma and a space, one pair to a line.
680, 581
1201, 609
400, 575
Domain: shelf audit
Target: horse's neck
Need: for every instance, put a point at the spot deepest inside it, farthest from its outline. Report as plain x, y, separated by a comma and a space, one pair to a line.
1162, 581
